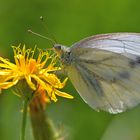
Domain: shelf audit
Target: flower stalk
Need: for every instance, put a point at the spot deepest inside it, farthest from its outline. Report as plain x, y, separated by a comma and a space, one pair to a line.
24, 116
41, 125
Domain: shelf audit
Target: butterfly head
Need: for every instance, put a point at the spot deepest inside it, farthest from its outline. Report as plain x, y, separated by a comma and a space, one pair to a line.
60, 49
63, 52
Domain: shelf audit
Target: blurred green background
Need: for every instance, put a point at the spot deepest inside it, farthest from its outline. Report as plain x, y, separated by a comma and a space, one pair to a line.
69, 21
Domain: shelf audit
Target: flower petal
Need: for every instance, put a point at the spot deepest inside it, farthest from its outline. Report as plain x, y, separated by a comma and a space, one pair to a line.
9, 64
30, 83
6, 85
42, 83
63, 94
53, 97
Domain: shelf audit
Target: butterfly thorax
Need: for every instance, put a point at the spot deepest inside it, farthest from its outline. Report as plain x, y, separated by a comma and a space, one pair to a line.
64, 54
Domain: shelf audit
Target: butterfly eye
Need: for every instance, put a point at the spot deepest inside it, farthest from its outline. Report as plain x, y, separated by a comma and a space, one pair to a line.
57, 47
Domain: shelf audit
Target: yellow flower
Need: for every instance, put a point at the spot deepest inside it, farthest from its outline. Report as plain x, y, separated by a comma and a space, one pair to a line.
37, 72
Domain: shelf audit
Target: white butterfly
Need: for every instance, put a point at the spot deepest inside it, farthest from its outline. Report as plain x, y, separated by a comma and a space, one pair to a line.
105, 70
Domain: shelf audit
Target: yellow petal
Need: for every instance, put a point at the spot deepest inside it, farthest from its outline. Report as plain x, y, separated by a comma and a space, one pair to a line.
63, 94
53, 80
11, 65
31, 67
6, 85
30, 83
53, 97
21, 59
5, 72
40, 82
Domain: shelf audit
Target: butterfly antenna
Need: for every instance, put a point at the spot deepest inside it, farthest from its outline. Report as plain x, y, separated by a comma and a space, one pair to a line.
53, 42
44, 23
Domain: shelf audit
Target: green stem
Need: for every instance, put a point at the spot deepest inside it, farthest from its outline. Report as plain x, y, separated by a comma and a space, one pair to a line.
41, 125
23, 126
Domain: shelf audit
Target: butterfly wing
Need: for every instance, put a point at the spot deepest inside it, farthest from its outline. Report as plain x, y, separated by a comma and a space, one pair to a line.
106, 71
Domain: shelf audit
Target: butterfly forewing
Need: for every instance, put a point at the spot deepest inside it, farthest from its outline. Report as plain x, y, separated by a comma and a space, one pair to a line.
106, 71
116, 42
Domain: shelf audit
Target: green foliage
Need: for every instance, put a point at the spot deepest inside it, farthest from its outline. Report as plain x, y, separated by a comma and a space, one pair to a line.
69, 21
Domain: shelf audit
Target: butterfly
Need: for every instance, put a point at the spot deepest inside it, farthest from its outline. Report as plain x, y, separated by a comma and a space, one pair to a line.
105, 70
